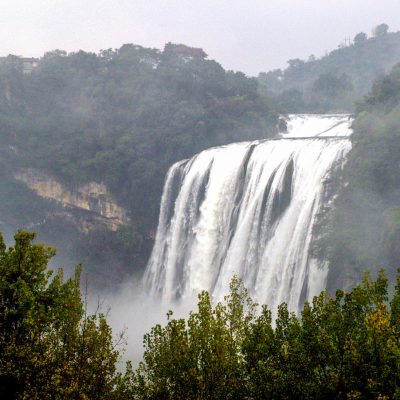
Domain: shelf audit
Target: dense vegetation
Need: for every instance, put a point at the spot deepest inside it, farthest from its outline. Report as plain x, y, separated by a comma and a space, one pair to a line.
344, 347
124, 116
121, 117
50, 348
335, 81
364, 226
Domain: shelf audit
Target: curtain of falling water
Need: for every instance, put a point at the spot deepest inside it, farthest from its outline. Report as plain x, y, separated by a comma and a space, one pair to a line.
248, 209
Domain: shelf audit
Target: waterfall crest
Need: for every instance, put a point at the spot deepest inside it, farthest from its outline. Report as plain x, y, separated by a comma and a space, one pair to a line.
249, 209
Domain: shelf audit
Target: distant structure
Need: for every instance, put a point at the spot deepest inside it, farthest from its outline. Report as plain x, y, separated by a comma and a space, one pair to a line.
347, 42
28, 64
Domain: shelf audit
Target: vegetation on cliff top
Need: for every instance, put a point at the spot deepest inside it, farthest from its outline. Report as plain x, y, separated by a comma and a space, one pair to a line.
334, 82
122, 117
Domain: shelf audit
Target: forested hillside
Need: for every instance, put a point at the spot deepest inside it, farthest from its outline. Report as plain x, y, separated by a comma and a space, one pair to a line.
335, 81
120, 117
364, 226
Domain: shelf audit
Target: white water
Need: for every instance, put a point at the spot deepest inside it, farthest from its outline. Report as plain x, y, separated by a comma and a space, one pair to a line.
248, 209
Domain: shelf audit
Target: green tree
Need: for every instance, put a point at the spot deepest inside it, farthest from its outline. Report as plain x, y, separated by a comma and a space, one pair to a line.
50, 348
363, 227
121, 117
331, 86
200, 358
360, 38
363, 63
380, 30
342, 347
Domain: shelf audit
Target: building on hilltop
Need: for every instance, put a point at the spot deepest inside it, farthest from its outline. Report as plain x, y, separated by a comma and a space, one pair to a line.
28, 63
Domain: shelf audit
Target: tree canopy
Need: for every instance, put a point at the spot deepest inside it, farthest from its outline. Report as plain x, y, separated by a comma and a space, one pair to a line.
344, 346
363, 228
360, 62
50, 348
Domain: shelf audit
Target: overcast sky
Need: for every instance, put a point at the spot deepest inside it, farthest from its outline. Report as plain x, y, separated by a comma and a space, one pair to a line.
246, 35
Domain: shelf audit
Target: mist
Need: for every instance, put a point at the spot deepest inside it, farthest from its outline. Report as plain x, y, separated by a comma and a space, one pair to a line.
133, 311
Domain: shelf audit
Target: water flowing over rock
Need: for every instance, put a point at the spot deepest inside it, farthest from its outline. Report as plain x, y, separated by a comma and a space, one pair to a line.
249, 209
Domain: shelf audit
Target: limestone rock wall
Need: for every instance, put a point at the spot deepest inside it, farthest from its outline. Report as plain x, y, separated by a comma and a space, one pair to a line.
92, 200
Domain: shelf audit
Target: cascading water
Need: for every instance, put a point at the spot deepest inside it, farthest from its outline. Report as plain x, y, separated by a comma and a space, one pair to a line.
248, 209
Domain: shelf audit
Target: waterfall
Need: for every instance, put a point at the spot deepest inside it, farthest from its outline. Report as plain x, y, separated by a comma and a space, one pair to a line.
248, 209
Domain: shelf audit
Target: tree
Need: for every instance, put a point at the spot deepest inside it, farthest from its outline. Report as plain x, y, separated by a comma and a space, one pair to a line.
364, 224
360, 38
199, 358
50, 348
296, 63
380, 30
122, 117
329, 86
292, 100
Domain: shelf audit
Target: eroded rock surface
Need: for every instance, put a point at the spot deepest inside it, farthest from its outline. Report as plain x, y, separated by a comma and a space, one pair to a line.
90, 205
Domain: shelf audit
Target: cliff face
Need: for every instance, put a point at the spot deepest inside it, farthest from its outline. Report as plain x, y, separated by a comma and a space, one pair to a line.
89, 206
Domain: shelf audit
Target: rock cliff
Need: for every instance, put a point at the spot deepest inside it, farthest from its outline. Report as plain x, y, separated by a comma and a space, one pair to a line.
89, 206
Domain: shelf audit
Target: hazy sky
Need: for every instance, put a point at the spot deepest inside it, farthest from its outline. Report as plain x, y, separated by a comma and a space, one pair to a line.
251, 36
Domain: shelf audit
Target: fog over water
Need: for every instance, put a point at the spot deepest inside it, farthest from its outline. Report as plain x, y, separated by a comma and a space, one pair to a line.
133, 312
250, 36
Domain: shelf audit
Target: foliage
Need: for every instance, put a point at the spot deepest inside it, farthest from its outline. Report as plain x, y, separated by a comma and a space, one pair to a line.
381, 29
329, 88
199, 358
360, 38
364, 228
343, 347
122, 117
347, 72
125, 115
51, 349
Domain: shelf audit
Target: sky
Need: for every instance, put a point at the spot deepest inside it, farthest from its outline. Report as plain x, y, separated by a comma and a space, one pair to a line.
246, 35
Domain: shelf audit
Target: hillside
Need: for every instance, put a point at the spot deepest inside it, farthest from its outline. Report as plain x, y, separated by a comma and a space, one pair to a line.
363, 228
86, 141
338, 79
